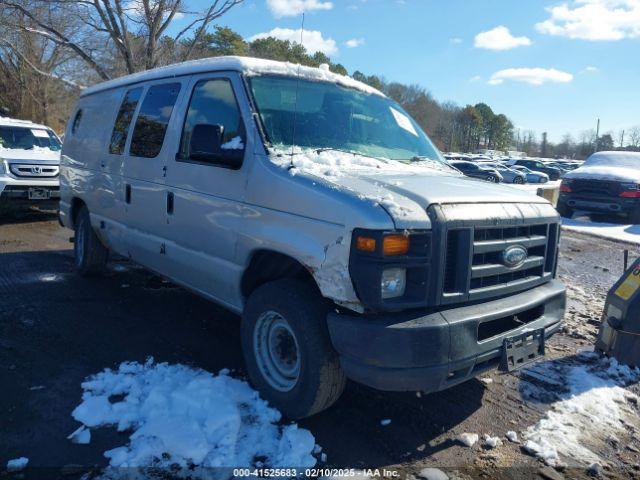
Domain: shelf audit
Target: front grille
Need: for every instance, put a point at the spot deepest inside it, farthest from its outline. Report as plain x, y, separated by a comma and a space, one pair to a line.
473, 267
596, 187
34, 171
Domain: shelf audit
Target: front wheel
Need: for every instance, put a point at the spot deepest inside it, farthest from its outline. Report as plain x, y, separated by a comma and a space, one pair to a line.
90, 254
287, 349
492, 179
518, 180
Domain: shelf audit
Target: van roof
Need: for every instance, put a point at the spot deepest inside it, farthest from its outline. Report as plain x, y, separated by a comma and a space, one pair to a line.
246, 65
14, 122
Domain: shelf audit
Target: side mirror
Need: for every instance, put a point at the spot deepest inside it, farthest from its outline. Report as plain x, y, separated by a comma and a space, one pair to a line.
206, 146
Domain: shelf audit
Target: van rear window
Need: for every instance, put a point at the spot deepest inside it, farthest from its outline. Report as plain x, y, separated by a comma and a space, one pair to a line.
123, 121
153, 120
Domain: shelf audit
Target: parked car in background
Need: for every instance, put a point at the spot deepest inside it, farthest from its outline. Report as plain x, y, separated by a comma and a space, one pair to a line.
532, 177
29, 162
537, 166
608, 182
509, 175
477, 170
357, 253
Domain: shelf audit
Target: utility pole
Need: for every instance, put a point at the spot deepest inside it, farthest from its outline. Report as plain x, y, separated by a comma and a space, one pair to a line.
597, 135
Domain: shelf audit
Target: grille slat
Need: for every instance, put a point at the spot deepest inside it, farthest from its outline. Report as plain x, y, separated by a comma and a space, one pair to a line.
486, 246
491, 269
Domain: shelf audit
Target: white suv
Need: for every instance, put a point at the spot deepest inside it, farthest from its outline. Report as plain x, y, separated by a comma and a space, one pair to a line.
29, 162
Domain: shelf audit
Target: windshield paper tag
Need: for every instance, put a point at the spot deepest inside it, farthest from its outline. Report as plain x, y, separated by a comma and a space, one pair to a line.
39, 133
403, 121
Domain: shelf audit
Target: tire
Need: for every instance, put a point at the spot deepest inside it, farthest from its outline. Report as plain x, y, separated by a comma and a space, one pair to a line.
564, 210
319, 380
492, 179
518, 180
90, 254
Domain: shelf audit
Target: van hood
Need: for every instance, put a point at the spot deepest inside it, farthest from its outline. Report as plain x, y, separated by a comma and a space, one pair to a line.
406, 197
616, 174
404, 190
29, 155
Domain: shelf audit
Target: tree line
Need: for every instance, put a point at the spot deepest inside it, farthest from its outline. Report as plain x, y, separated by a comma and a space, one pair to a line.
50, 49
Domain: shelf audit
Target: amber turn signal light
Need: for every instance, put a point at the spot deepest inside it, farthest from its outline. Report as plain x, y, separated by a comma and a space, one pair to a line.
366, 244
395, 245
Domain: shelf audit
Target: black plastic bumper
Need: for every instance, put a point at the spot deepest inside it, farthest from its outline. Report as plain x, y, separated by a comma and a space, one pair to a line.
434, 351
599, 204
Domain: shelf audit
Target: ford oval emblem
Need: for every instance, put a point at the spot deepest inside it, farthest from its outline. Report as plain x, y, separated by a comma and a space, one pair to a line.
514, 257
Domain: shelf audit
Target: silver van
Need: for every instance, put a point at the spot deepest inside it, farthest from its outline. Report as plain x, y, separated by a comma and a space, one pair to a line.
316, 208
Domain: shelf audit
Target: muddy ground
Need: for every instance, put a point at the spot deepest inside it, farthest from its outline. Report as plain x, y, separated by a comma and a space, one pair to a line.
57, 328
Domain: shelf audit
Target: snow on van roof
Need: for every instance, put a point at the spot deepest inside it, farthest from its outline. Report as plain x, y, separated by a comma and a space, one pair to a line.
248, 66
14, 122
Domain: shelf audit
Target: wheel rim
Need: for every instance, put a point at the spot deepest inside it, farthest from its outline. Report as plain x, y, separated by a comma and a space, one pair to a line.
276, 351
491, 178
518, 180
79, 244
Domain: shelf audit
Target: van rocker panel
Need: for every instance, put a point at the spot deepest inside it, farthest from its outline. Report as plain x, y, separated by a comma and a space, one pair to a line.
429, 352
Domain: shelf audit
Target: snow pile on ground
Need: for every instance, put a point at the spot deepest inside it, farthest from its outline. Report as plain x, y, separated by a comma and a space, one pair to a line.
17, 464
614, 231
468, 439
594, 405
184, 417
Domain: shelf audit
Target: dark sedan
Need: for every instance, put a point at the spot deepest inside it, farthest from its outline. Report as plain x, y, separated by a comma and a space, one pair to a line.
538, 166
476, 170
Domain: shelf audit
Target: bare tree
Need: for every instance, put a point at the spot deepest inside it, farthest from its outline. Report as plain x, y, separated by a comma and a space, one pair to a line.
634, 137
133, 28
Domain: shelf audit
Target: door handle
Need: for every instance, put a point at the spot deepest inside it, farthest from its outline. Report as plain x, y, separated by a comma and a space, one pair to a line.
170, 202
127, 193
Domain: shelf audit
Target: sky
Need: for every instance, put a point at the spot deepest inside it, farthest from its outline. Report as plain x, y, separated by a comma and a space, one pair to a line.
554, 66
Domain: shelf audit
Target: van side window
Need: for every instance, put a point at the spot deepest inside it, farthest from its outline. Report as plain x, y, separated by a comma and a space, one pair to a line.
214, 103
153, 119
123, 121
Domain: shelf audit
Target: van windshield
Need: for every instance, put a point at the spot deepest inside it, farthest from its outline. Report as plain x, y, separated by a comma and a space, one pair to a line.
329, 116
22, 138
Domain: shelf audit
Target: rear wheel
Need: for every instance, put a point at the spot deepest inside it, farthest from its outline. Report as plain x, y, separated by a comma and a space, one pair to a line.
564, 210
518, 180
287, 350
90, 254
492, 179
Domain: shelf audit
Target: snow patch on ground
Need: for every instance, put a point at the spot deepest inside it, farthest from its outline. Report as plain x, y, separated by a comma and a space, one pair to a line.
17, 464
625, 233
468, 439
593, 404
182, 417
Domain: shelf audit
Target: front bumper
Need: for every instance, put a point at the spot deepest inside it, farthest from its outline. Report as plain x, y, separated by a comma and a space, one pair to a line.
432, 351
12, 189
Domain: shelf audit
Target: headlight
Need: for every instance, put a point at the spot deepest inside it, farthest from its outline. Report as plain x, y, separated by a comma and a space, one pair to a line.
393, 283
390, 269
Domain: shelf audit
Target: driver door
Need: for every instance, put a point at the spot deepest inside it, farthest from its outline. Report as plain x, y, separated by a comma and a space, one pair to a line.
205, 196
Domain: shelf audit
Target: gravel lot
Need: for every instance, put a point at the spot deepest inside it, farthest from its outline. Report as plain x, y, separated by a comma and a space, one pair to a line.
57, 328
